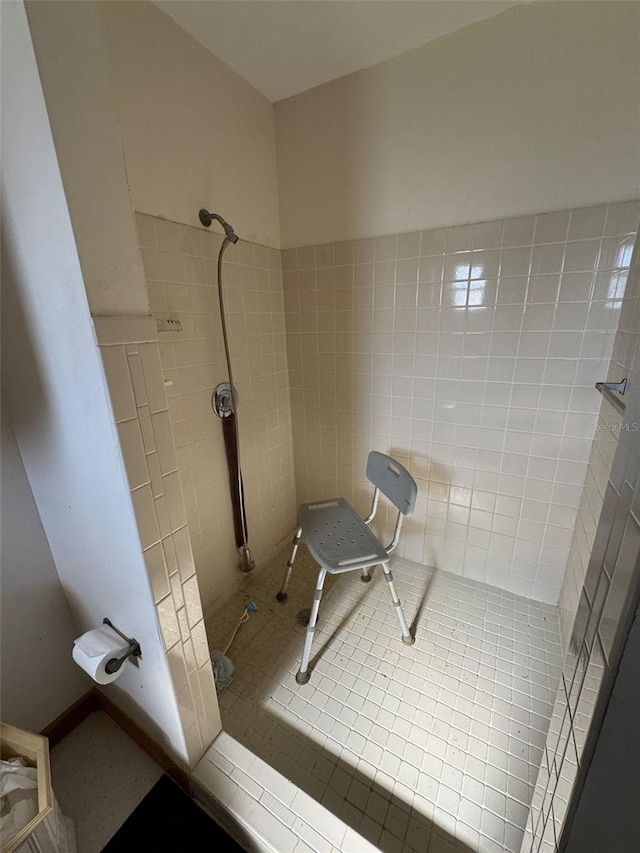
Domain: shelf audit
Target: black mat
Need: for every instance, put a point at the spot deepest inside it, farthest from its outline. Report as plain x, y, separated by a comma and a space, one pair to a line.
168, 819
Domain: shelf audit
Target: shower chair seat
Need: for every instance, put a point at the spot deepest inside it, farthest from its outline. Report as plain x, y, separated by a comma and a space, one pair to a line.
340, 541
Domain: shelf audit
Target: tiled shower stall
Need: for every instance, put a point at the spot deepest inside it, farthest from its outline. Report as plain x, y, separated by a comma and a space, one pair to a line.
470, 354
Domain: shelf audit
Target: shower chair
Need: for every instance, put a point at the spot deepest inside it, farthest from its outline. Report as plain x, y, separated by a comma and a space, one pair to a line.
340, 541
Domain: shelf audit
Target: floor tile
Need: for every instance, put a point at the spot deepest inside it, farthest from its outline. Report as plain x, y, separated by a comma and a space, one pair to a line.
438, 741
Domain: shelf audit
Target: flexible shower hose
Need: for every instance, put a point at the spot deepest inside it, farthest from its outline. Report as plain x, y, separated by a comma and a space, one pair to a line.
244, 545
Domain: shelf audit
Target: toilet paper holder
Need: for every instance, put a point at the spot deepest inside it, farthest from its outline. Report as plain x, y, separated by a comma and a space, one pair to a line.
133, 651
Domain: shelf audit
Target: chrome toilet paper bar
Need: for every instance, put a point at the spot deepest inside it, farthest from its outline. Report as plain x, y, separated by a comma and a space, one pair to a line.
134, 651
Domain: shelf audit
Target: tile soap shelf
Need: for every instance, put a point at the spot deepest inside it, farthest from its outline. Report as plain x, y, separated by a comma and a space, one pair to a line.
612, 391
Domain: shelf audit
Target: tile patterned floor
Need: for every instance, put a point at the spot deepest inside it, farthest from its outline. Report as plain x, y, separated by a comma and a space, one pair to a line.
441, 740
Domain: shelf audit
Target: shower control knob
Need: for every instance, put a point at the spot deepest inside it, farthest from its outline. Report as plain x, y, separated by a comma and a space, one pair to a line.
222, 400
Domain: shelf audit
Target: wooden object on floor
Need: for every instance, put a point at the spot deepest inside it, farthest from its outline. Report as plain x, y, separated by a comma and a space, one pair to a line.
18, 743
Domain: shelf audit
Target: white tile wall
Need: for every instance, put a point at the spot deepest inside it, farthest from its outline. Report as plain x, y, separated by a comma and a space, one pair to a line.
134, 375
606, 427
471, 354
606, 430
598, 577
180, 267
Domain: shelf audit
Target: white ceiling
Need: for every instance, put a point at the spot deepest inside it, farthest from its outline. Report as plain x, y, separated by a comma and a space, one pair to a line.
283, 47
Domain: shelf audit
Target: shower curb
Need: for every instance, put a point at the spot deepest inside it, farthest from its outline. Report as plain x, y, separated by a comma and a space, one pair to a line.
248, 797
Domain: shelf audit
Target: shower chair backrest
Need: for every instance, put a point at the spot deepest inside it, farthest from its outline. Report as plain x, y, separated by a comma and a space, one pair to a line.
393, 480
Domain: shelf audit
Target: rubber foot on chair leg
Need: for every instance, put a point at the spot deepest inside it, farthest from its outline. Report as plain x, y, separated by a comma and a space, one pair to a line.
365, 578
281, 596
303, 677
408, 641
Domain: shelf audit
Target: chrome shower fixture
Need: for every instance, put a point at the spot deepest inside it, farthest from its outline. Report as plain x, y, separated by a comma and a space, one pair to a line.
207, 218
223, 401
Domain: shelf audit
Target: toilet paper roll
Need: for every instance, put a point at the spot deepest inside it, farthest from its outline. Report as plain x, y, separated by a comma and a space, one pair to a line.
94, 649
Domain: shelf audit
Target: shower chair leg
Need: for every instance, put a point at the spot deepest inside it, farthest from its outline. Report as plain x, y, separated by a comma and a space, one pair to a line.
365, 576
282, 595
303, 674
407, 638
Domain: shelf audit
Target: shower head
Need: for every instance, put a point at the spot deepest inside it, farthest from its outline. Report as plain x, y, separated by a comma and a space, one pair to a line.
207, 218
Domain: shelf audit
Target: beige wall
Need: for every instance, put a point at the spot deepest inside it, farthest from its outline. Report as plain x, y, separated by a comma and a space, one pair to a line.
39, 678
534, 110
195, 134
471, 354
143, 116
74, 69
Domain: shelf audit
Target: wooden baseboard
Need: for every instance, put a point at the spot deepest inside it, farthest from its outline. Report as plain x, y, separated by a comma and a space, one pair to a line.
171, 767
94, 700
72, 717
